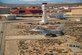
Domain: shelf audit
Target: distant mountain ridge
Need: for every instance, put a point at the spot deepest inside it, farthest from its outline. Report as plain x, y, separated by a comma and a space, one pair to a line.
39, 1
60, 4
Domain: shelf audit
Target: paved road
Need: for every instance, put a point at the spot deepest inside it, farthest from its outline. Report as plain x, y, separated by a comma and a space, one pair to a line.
2, 38
26, 19
0, 33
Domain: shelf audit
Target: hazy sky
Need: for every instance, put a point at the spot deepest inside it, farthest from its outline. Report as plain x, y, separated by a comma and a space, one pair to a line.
39, 1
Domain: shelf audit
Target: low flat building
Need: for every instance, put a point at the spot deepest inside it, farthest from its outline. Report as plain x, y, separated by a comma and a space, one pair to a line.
75, 11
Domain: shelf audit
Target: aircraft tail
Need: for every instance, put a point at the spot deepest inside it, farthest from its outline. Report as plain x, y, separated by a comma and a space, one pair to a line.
61, 27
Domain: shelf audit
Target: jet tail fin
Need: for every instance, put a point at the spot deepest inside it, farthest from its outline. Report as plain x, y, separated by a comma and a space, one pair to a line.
60, 28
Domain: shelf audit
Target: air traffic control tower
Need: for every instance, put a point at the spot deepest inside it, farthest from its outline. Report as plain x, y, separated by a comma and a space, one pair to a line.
44, 15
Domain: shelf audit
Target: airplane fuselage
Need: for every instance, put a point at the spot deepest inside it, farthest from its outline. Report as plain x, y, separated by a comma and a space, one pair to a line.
51, 33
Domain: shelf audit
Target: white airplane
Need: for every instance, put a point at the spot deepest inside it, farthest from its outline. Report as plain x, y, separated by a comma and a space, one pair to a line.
51, 33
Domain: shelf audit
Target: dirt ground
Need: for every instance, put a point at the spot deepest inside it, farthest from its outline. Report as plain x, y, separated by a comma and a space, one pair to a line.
19, 41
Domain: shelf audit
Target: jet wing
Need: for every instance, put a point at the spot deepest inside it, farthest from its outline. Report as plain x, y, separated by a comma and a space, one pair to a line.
37, 30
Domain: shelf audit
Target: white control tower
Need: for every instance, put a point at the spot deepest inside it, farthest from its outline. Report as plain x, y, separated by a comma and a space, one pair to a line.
44, 15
